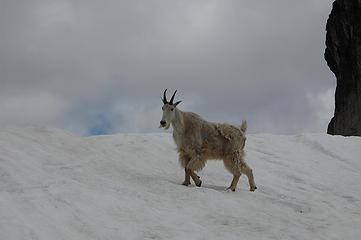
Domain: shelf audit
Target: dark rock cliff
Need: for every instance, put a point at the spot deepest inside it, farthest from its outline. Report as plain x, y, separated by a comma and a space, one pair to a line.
343, 56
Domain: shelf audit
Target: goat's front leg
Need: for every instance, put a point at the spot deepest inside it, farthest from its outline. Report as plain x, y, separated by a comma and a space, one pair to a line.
184, 160
195, 177
195, 164
188, 174
187, 178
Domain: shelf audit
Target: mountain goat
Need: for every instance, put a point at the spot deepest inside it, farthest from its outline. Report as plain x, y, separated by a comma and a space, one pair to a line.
198, 140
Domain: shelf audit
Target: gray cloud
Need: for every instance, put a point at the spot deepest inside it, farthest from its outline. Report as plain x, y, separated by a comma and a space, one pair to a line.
71, 64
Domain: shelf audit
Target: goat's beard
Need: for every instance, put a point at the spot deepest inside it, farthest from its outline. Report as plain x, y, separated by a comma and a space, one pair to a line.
165, 127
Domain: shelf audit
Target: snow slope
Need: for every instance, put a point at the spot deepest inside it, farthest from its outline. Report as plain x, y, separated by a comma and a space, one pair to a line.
54, 185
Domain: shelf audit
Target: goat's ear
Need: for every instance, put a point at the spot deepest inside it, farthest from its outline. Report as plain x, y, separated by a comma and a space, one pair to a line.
177, 103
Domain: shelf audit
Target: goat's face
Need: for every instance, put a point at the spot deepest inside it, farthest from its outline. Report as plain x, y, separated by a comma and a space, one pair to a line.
168, 115
169, 110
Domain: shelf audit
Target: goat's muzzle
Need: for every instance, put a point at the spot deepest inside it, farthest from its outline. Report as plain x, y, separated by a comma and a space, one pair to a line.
164, 124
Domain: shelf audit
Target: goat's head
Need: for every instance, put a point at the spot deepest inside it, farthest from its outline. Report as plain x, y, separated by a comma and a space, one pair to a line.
168, 110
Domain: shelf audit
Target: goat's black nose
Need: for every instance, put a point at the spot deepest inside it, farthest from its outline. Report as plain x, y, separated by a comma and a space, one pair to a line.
162, 123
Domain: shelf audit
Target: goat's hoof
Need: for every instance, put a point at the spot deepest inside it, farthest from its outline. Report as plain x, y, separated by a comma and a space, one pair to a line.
199, 184
232, 189
186, 183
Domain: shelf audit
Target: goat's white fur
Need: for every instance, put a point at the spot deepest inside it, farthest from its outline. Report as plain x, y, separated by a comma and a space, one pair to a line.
198, 140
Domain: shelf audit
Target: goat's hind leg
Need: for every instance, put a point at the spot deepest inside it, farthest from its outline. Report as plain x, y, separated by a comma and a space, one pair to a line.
231, 165
248, 171
237, 166
234, 182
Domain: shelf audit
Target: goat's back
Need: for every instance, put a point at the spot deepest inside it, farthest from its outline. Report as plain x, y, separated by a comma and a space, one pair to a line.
219, 138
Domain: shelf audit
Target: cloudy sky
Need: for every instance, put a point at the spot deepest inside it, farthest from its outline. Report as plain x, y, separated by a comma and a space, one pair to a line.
99, 67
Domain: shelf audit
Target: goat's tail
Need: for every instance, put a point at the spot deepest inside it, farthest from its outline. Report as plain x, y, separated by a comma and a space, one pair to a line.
244, 126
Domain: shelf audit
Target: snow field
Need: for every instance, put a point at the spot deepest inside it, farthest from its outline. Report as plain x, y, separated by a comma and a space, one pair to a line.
54, 185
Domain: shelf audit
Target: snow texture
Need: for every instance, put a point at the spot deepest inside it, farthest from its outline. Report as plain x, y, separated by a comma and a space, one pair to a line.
54, 185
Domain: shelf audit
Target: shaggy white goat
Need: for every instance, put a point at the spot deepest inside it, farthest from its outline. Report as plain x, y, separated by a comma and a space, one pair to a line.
198, 140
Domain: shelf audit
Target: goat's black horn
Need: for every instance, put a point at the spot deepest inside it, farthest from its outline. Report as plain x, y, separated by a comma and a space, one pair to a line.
165, 97
171, 100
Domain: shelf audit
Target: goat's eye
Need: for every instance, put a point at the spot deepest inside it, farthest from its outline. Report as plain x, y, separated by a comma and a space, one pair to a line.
163, 108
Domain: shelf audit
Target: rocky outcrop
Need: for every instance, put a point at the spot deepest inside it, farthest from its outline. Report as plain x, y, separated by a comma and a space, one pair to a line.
343, 56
